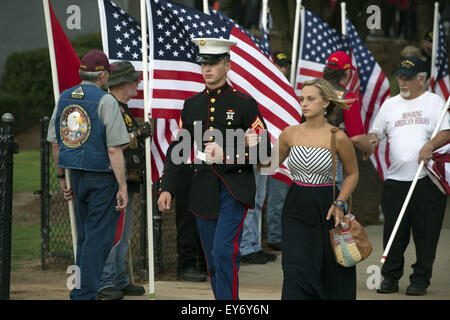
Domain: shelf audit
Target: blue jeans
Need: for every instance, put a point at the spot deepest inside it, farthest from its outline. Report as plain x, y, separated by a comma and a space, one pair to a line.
220, 240
277, 191
114, 272
251, 236
95, 200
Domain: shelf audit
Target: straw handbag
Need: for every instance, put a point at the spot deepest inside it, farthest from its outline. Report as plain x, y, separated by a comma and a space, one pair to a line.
349, 240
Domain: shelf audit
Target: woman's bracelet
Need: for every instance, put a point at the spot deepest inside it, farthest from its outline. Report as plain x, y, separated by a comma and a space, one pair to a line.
340, 204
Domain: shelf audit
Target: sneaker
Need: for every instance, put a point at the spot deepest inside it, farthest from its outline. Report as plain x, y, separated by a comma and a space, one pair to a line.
132, 290
109, 293
415, 289
254, 258
192, 274
388, 286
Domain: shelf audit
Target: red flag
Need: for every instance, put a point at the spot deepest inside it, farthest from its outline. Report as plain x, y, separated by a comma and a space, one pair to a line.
67, 61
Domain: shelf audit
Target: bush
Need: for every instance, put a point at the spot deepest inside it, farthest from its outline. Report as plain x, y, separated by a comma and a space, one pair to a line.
26, 88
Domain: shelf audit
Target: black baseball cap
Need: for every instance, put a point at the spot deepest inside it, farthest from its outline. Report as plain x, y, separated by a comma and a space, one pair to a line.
428, 36
410, 66
280, 58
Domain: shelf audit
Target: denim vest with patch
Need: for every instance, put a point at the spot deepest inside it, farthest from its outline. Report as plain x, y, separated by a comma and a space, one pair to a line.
80, 133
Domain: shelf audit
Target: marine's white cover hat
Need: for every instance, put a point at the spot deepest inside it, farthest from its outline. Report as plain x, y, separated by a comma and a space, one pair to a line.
212, 49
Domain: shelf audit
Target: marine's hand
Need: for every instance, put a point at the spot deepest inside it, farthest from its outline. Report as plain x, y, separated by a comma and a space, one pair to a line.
164, 201
251, 138
214, 153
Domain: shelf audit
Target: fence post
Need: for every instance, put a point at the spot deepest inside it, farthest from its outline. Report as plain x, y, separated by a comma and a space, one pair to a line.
7, 148
45, 191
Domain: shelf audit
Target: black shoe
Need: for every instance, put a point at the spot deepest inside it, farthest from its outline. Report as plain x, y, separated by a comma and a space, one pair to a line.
132, 290
255, 258
415, 289
388, 286
269, 256
275, 246
192, 274
110, 293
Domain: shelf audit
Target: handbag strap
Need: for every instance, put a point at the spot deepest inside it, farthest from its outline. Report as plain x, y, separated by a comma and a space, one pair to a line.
333, 159
333, 166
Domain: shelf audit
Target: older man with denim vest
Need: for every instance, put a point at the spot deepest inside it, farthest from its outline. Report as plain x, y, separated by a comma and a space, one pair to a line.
87, 133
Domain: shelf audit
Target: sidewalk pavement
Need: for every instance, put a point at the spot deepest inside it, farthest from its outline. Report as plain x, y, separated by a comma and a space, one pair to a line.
263, 282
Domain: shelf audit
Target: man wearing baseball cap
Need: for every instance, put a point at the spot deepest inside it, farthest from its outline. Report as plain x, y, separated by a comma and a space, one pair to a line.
114, 283
408, 119
338, 71
87, 134
282, 62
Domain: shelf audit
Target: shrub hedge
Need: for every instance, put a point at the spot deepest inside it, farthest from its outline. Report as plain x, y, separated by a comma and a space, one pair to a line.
26, 88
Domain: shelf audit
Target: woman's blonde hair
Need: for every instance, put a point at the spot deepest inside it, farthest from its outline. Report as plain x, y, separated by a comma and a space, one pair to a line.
327, 93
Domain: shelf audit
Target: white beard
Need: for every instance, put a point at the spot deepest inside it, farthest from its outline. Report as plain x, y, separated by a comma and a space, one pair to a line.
405, 94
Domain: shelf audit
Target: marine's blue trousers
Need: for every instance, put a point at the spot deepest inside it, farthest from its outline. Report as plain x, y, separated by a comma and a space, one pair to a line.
220, 240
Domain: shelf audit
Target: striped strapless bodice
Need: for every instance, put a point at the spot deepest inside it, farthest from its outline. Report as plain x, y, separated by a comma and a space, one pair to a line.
311, 165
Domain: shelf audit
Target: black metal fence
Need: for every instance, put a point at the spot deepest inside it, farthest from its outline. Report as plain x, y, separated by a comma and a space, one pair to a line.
56, 241
7, 148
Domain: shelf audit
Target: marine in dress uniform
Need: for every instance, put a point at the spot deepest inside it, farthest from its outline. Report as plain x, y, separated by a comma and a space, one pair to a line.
221, 192
87, 132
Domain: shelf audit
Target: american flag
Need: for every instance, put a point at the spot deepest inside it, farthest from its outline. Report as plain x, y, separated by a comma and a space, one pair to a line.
121, 38
317, 42
230, 22
439, 168
440, 82
175, 76
265, 36
373, 91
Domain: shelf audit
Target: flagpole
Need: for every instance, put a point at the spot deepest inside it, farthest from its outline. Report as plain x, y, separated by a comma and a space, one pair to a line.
343, 15
148, 172
413, 185
51, 50
265, 6
295, 41
435, 43
205, 7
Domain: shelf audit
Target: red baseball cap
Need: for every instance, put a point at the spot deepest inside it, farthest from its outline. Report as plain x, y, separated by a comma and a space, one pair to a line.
96, 60
342, 60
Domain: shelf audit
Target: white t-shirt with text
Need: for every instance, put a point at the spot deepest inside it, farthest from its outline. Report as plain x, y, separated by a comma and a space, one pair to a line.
408, 124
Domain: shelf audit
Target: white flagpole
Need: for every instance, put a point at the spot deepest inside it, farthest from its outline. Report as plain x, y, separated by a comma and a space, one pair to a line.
413, 185
343, 16
435, 37
148, 172
295, 41
265, 8
205, 7
51, 50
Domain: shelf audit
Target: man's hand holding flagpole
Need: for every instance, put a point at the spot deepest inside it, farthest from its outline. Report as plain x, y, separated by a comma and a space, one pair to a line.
413, 185
56, 92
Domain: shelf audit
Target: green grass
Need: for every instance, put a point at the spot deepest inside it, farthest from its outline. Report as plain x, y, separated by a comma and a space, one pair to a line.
27, 171
26, 239
26, 244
